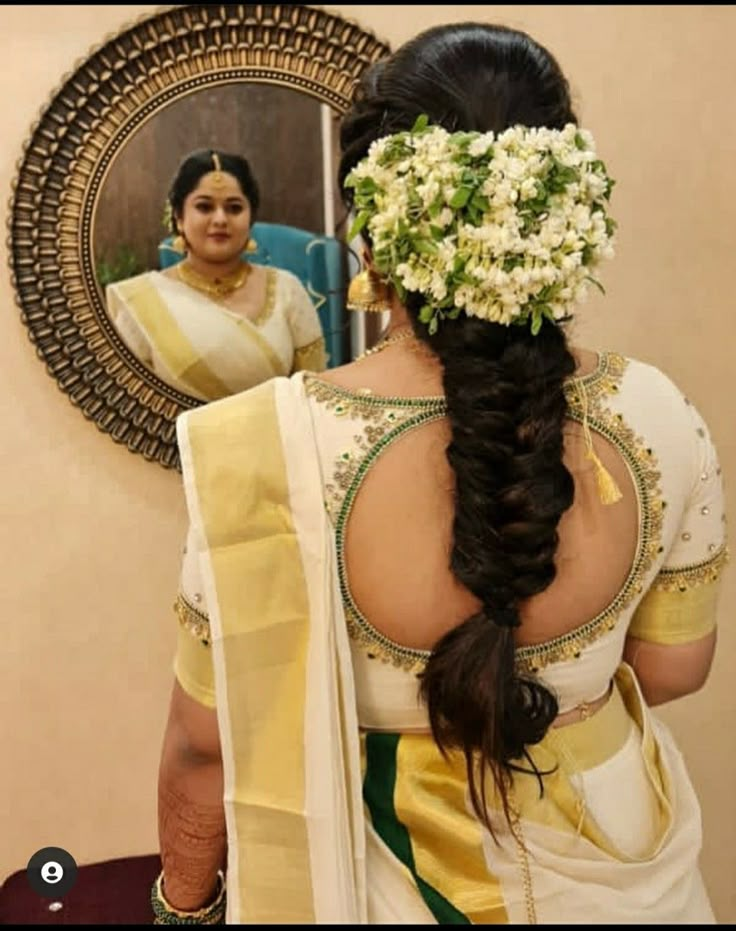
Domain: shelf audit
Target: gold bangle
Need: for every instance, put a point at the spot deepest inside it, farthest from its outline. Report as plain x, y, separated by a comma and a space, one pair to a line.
166, 914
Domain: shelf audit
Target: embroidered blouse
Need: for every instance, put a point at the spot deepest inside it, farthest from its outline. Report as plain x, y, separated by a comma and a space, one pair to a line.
668, 597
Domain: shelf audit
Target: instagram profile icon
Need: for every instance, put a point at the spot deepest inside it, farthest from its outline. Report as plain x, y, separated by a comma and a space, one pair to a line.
51, 872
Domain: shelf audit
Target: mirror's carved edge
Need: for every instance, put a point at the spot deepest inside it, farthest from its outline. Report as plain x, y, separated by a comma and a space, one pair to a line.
53, 189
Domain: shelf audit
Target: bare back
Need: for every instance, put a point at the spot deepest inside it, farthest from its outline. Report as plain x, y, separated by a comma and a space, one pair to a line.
399, 532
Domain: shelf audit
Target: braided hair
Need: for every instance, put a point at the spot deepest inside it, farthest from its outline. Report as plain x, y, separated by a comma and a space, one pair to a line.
505, 400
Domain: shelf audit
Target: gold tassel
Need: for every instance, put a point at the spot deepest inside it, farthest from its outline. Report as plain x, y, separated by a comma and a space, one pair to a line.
608, 490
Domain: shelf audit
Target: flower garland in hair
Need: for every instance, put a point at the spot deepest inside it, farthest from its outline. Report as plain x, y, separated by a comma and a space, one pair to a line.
167, 217
507, 227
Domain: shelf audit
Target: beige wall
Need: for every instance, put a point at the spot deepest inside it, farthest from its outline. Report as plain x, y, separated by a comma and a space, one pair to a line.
90, 534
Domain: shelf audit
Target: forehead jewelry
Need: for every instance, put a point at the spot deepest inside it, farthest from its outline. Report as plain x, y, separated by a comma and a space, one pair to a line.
218, 178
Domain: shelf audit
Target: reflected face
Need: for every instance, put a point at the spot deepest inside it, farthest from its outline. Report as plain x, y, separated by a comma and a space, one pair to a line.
216, 218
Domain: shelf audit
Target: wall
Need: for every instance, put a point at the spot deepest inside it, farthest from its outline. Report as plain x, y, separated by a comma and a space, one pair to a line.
91, 534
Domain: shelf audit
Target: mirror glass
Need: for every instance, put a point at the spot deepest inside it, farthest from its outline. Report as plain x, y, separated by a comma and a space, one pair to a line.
290, 142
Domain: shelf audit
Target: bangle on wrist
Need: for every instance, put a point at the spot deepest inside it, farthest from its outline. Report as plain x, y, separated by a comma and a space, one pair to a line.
166, 914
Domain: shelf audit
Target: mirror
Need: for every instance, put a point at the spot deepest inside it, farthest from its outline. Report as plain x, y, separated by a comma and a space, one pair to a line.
206, 344
267, 82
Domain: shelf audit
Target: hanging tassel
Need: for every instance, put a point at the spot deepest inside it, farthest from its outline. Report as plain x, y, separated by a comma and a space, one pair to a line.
608, 490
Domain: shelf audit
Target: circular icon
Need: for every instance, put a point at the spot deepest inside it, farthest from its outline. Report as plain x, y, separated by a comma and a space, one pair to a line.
51, 872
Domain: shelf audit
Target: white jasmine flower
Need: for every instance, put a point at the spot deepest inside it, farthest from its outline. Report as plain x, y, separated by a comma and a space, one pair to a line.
478, 244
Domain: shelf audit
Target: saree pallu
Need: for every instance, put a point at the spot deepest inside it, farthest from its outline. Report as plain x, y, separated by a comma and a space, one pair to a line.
328, 825
281, 655
193, 344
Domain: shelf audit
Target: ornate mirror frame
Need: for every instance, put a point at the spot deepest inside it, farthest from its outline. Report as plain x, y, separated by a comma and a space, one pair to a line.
118, 87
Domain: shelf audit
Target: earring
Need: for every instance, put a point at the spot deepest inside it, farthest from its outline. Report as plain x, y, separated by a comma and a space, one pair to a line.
368, 292
179, 244
251, 246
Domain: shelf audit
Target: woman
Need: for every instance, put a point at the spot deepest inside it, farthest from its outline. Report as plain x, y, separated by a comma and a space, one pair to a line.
215, 324
464, 567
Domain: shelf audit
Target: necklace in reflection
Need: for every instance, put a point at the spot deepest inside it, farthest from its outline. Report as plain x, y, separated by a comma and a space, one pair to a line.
397, 337
222, 286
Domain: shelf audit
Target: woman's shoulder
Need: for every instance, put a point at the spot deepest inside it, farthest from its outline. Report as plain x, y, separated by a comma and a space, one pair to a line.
655, 380
650, 391
144, 279
285, 278
660, 411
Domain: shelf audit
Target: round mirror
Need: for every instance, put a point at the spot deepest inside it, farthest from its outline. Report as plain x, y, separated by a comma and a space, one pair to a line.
264, 82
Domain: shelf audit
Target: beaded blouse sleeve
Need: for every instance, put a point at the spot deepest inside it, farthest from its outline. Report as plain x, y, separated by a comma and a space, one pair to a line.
681, 605
193, 660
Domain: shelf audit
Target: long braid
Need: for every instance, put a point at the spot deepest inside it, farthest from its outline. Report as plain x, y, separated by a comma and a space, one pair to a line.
505, 399
506, 408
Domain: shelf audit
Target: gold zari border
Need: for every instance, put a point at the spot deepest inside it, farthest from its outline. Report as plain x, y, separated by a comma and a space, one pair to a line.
312, 357
192, 620
682, 578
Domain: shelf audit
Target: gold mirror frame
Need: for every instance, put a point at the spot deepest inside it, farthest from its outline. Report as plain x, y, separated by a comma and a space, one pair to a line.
117, 88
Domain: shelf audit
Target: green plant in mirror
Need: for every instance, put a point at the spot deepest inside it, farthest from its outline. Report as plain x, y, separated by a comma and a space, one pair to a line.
119, 264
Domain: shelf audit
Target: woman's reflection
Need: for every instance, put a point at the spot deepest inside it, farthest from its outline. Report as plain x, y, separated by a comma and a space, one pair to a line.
215, 324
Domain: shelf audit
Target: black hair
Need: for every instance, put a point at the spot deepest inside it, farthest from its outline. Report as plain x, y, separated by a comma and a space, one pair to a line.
196, 165
505, 398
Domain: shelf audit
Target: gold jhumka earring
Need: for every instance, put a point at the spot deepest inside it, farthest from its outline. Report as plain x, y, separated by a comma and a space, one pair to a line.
368, 292
179, 244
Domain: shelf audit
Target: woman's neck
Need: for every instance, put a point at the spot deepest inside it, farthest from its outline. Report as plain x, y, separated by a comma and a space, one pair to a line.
213, 269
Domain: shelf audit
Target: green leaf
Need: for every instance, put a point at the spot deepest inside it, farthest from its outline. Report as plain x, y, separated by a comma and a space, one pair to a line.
579, 141
358, 224
462, 139
425, 247
596, 283
536, 321
420, 124
426, 313
366, 186
434, 325
511, 262
460, 198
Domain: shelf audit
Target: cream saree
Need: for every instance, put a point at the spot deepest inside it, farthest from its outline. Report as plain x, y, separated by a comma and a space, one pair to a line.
613, 838
281, 657
203, 349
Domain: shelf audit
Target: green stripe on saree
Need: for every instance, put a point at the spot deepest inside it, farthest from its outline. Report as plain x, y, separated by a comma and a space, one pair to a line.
378, 792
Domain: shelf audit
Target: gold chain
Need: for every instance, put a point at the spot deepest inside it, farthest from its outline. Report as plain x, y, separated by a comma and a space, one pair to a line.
398, 337
217, 287
526, 873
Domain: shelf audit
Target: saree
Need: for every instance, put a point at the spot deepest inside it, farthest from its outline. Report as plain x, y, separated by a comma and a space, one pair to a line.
281, 658
330, 821
204, 350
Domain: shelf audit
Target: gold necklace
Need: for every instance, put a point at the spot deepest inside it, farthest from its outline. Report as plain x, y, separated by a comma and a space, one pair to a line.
387, 341
222, 286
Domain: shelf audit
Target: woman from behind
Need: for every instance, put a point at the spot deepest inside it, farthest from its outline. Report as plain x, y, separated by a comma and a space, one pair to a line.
465, 566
